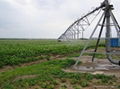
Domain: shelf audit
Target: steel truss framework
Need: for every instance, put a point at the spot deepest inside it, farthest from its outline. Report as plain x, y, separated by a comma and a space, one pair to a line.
75, 31
107, 17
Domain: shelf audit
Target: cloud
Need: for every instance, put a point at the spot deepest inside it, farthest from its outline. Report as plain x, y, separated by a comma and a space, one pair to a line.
41, 18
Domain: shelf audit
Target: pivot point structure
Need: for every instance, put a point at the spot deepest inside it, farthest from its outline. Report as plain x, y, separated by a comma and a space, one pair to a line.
73, 32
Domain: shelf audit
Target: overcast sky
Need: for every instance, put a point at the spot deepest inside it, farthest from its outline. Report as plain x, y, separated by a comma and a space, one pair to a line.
43, 18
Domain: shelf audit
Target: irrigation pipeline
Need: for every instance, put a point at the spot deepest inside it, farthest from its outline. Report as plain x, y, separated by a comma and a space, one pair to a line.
107, 10
96, 9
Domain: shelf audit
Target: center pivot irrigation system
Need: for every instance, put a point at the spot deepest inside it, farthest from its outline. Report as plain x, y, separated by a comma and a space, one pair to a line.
79, 26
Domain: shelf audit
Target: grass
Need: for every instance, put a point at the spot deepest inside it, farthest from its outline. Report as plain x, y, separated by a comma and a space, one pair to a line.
49, 75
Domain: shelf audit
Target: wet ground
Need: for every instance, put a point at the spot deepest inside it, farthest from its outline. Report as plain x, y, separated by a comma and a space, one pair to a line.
99, 66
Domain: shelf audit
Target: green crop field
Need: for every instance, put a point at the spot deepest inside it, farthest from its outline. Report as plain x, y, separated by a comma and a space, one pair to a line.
47, 74
14, 52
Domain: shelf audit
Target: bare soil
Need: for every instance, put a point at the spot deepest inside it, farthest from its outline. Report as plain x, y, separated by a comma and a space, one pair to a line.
24, 77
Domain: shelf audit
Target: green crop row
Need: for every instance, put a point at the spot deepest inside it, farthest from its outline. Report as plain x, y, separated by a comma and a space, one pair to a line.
13, 52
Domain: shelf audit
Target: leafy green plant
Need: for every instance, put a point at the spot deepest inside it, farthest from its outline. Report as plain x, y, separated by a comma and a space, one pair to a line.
74, 81
77, 87
84, 83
